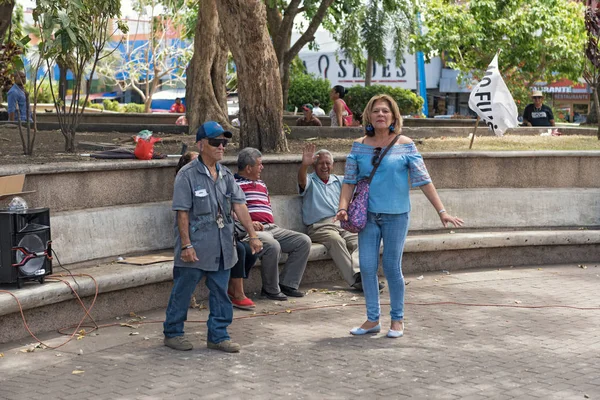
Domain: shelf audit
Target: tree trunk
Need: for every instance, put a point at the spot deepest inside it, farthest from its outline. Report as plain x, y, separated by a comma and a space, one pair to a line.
259, 84
592, 117
285, 82
206, 92
597, 107
62, 83
369, 71
70, 142
281, 27
6, 10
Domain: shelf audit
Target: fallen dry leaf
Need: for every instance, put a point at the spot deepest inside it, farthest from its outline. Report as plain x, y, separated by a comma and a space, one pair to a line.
1, 355
133, 333
288, 311
80, 337
77, 372
518, 301
354, 298
28, 350
420, 277
129, 325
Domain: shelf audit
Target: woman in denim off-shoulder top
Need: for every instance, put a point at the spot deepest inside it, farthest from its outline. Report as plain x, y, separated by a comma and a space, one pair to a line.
389, 206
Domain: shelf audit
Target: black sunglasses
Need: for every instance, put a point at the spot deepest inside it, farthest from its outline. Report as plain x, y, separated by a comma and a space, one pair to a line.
218, 142
376, 154
537, 97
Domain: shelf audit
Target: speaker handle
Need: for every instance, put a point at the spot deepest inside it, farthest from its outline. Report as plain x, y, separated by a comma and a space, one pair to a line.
29, 255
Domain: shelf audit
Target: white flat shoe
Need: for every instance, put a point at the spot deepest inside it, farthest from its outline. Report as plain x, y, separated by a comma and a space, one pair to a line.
395, 334
360, 331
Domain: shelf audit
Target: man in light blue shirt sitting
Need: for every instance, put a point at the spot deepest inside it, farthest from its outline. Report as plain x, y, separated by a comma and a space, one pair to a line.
320, 193
18, 104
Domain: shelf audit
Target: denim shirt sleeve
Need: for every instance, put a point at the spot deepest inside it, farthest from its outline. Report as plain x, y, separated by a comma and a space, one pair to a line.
418, 172
182, 193
351, 171
12, 99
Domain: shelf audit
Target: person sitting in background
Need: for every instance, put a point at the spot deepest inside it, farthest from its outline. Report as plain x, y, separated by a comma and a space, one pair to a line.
320, 193
340, 114
17, 99
185, 159
318, 111
275, 285
537, 113
309, 119
177, 107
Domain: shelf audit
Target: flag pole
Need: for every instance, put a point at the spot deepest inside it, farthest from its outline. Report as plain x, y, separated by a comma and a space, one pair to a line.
474, 132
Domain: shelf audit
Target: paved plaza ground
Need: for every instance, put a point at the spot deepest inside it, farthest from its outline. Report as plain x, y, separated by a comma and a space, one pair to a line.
448, 352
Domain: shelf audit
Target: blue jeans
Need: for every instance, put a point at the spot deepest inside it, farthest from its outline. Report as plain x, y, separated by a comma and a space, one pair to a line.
246, 260
393, 229
185, 281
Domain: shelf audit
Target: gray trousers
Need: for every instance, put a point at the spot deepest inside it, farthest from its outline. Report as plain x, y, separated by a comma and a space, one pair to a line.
342, 246
275, 241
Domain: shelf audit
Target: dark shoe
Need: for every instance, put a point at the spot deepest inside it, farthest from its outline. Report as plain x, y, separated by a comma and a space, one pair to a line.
288, 291
358, 286
178, 343
279, 296
226, 345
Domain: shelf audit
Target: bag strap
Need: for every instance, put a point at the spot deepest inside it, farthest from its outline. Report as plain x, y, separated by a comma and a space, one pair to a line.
347, 108
381, 157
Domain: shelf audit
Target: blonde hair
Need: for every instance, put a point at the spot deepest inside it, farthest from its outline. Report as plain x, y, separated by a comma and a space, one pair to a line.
393, 107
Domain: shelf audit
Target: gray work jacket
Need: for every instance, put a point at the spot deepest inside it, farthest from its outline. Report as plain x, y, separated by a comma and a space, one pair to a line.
196, 192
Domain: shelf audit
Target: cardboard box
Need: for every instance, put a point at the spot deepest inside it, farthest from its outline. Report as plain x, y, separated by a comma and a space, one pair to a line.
12, 185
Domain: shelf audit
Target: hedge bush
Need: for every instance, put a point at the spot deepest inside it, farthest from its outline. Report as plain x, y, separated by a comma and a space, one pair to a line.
305, 88
358, 97
133, 108
96, 106
111, 105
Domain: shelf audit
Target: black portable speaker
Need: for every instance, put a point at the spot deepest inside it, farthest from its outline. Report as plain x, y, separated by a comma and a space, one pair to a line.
25, 245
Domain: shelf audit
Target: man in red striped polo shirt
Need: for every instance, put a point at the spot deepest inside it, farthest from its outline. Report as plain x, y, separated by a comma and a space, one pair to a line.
276, 286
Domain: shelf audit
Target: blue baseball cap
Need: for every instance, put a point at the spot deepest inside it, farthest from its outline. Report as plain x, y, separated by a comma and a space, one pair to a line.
211, 129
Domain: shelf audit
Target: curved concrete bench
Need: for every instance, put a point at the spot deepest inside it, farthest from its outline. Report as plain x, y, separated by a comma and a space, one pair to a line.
89, 234
511, 227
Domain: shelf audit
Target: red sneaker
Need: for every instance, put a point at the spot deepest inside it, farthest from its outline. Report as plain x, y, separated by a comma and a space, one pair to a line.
244, 304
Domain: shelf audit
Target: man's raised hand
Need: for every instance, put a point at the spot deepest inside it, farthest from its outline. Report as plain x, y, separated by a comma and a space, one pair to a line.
308, 153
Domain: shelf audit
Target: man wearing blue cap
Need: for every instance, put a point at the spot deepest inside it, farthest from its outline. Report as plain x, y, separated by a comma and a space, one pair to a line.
205, 194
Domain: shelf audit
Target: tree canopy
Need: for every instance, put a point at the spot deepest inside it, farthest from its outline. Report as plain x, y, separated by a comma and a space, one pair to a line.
540, 40
376, 27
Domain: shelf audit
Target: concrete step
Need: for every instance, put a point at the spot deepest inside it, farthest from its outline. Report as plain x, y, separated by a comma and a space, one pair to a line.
124, 288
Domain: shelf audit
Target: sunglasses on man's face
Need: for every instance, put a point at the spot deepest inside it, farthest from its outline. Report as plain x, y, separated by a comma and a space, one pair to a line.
376, 154
537, 97
217, 142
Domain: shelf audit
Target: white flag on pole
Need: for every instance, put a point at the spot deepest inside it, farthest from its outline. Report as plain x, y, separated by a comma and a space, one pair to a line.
492, 101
